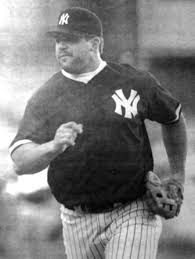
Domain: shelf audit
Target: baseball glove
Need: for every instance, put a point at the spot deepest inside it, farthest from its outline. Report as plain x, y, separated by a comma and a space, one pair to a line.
163, 198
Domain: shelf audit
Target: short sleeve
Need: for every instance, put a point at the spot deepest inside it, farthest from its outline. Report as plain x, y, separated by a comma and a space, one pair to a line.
33, 125
162, 107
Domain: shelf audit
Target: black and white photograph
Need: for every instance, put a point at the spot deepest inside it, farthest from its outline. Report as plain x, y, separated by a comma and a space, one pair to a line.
97, 129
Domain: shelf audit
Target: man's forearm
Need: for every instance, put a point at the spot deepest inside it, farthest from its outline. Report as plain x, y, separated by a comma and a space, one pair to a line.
31, 158
175, 141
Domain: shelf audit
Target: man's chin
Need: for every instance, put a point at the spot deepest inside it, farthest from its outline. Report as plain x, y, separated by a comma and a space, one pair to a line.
68, 69
66, 66
71, 67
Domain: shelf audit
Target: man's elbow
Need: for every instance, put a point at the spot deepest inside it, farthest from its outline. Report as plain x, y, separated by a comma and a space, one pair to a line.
19, 163
18, 169
21, 169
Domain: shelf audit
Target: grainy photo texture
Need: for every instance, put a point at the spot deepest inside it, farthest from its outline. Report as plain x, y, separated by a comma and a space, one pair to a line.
97, 129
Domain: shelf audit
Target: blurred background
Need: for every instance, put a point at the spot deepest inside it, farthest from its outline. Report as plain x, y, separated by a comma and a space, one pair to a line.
155, 35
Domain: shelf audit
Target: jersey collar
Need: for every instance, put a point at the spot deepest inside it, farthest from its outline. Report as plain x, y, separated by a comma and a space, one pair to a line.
85, 77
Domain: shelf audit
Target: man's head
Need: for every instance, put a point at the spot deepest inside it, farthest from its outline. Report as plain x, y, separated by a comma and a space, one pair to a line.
79, 40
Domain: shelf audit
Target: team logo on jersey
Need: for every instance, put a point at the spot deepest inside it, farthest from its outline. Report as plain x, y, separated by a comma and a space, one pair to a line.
64, 19
130, 104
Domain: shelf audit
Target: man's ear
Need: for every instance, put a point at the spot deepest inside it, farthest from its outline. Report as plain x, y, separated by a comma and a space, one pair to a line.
95, 44
101, 47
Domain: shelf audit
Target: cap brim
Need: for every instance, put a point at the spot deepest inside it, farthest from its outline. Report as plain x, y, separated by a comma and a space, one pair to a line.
56, 32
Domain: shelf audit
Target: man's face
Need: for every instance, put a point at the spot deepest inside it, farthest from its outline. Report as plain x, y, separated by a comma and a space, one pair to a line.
74, 53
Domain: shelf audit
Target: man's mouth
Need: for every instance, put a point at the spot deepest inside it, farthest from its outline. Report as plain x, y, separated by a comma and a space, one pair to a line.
64, 55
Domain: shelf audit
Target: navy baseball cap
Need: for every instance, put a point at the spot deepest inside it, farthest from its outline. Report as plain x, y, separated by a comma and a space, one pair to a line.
77, 20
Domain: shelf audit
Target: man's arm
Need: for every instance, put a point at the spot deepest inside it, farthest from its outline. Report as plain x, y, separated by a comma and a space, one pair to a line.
175, 141
31, 158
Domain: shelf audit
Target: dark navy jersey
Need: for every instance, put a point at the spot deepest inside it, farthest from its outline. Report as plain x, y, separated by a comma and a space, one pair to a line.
112, 155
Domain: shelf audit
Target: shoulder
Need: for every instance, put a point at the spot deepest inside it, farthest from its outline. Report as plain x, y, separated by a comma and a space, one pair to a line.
120, 68
130, 72
50, 86
48, 91
142, 80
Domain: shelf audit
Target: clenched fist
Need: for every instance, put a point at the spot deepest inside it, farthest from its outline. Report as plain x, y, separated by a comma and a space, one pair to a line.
66, 135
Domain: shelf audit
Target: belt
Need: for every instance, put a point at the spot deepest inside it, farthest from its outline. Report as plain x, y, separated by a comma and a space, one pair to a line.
95, 208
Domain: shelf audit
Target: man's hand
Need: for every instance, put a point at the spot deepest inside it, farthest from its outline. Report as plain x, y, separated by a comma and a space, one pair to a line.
66, 135
165, 197
31, 158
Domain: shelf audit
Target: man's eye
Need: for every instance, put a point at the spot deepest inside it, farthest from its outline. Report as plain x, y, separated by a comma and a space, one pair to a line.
68, 40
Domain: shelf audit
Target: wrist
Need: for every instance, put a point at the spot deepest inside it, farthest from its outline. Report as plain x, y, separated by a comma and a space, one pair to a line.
179, 177
55, 148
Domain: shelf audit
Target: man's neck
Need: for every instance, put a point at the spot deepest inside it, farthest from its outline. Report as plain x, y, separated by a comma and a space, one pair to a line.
87, 76
95, 64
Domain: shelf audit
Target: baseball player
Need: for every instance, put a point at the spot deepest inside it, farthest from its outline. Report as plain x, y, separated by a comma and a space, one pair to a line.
87, 123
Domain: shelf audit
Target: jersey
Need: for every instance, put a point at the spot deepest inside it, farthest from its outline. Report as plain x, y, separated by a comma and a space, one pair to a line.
111, 157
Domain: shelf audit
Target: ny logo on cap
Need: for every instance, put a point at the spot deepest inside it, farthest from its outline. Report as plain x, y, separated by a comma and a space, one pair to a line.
64, 19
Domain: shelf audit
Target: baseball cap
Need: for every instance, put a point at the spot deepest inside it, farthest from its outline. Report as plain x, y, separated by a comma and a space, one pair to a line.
77, 21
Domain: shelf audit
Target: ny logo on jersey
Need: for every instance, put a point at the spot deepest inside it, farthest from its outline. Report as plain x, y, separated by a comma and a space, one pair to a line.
129, 104
64, 19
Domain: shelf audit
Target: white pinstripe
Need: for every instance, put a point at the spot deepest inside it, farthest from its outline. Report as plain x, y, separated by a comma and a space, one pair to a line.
127, 232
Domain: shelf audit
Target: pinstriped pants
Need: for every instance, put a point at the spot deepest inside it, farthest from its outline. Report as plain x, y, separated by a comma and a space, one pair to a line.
127, 232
